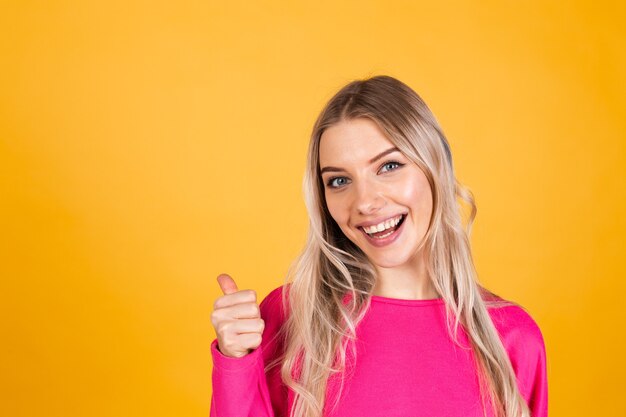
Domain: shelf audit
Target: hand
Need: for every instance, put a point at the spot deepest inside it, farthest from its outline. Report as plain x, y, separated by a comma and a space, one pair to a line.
237, 320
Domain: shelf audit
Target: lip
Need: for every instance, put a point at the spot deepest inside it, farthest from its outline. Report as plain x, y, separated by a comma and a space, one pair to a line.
389, 239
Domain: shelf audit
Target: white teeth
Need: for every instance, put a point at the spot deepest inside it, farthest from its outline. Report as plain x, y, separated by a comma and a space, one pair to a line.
383, 226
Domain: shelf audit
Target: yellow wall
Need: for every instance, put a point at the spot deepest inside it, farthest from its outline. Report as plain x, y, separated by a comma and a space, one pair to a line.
145, 147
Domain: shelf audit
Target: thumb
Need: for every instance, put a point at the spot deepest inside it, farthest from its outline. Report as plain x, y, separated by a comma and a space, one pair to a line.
227, 284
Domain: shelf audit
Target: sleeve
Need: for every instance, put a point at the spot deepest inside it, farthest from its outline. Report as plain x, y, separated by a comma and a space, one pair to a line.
525, 345
241, 387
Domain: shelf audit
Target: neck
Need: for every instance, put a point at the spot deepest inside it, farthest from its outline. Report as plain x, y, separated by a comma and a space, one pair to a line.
409, 281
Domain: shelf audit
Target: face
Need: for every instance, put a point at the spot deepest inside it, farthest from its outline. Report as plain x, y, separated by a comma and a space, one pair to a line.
380, 199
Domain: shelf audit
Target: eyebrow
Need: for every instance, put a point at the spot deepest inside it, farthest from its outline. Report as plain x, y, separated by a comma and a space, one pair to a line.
371, 161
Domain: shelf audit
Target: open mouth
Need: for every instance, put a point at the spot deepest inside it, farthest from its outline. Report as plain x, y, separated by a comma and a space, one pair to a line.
387, 229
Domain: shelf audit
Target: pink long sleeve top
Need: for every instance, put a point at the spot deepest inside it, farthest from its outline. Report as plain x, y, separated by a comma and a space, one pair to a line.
407, 365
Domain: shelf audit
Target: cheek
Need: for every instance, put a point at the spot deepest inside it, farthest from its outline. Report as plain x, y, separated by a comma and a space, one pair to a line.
416, 193
421, 195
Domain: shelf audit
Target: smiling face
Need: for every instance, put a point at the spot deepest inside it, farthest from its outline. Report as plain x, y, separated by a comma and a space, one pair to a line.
380, 199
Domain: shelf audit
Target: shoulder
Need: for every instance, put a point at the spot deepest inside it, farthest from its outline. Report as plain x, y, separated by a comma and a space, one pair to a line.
273, 301
273, 311
516, 326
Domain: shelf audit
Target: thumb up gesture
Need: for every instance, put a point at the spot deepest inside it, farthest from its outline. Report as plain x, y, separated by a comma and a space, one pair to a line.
237, 319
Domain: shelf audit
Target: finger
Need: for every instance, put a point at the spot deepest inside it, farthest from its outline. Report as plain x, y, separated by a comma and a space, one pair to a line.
250, 340
227, 284
243, 326
240, 311
239, 297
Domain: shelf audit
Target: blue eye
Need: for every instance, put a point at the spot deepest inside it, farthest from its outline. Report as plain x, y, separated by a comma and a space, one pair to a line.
337, 182
393, 164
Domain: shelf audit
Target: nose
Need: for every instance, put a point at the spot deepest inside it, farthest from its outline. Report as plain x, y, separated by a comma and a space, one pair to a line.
368, 199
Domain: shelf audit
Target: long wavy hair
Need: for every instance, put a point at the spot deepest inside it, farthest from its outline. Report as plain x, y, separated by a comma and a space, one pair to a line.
331, 282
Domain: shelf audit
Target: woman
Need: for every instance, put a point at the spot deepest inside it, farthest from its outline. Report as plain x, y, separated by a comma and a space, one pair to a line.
382, 313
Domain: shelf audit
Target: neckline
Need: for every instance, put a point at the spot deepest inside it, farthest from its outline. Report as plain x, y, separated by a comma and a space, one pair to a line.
401, 301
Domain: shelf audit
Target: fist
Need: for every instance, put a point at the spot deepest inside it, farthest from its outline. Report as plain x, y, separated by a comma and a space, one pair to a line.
237, 320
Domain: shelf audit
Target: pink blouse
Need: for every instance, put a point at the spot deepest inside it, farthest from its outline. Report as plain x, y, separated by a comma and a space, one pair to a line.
407, 365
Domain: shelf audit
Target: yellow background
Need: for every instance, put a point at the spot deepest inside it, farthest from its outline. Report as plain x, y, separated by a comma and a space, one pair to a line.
146, 147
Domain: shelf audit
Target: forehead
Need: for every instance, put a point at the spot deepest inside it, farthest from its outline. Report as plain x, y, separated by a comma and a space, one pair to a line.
352, 141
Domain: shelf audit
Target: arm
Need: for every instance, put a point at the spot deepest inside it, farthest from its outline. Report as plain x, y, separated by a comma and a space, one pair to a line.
524, 343
241, 387
532, 374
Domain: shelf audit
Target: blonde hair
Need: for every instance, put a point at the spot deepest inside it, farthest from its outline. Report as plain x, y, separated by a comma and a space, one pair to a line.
321, 323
